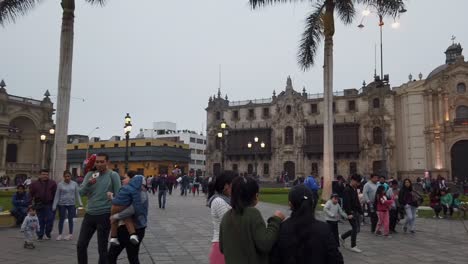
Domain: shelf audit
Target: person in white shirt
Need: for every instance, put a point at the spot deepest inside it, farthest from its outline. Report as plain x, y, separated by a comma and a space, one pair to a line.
219, 193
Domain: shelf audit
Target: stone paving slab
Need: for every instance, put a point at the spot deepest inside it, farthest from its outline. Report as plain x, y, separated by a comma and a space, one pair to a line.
182, 234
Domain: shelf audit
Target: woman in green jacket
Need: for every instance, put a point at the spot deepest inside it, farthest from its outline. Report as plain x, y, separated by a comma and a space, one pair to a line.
244, 237
446, 200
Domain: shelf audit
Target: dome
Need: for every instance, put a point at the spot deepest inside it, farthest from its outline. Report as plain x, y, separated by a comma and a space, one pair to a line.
437, 70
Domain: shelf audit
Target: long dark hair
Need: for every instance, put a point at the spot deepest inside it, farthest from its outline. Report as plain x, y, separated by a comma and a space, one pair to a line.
302, 216
410, 188
378, 195
244, 190
217, 183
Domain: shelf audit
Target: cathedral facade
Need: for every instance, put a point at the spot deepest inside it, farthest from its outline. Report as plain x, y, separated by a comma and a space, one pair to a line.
396, 132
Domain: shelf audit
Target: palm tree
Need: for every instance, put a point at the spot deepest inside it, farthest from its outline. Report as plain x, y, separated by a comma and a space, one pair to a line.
320, 25
9, 11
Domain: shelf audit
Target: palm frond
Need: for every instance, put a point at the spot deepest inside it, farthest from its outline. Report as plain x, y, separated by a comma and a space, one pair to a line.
345, 10
11, 9
97, 2
311, 38
261, 3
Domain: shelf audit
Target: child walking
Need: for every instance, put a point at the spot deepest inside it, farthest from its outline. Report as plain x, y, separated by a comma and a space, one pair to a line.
383, 206
129, 194
333, 213
30, 226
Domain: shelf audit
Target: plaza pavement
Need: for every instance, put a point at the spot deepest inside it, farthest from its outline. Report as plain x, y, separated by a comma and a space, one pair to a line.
182, 234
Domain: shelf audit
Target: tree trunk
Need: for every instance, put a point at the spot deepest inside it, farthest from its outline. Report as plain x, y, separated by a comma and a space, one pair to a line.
64, 89
328, 151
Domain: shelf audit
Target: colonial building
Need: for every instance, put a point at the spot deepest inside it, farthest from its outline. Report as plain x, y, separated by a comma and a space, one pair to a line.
290, 127
432, 123
147, 156
22, 123
400, 132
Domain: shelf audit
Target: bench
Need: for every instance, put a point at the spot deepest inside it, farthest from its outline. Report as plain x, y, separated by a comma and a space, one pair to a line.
7, 220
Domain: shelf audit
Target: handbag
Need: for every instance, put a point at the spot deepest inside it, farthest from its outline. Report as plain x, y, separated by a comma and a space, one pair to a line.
417, 198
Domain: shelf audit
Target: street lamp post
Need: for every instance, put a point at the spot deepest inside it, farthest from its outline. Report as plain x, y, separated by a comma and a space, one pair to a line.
44, 139
250, 146
222, 134
127, 130
380, 15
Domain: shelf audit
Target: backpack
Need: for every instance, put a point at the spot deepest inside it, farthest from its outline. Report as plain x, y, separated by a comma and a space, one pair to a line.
311, 184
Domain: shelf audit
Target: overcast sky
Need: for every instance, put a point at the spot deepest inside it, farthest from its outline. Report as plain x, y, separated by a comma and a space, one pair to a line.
159, 60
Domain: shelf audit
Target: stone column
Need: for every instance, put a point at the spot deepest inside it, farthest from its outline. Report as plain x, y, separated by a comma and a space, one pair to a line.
440, 120
4, 152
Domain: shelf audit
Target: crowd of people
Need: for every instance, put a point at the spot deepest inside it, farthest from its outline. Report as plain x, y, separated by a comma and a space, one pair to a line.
117, 211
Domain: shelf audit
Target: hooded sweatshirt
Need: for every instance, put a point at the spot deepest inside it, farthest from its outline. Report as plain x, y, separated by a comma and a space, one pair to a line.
333, 211
130, 194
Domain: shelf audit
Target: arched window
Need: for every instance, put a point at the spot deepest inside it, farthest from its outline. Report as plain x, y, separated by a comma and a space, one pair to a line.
462, 112
461, 88
376, 103
288, 109
249, 168
218, 115
288, 136
377, 135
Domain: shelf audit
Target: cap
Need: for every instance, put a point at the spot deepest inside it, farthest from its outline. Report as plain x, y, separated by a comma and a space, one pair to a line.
334, 195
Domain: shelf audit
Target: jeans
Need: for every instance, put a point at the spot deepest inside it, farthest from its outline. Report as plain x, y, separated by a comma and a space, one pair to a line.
90, 224
162, 194
334, 229
383, 222
183, 190
70, 212
46, 220
410, 217
124, 239
354, 222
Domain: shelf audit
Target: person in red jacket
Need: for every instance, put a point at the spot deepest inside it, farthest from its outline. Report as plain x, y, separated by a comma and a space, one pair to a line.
383, 205
42, 194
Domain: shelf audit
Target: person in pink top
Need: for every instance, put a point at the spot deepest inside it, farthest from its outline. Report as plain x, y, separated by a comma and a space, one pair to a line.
383, 205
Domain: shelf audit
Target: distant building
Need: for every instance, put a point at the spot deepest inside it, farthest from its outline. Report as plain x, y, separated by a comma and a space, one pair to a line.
196, 142
420, 126
22, 122
147, 156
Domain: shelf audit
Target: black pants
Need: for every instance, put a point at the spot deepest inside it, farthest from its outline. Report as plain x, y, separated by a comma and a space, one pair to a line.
124, 239
447, 208
334, 229
91, 224
393, 219
374, 220
437, 208
354, 222
170, 186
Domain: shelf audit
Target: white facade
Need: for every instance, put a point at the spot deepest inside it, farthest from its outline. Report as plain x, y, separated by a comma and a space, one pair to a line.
196, 142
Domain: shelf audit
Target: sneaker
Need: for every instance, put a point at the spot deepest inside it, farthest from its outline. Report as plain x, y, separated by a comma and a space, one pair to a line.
47, 237
387, 236
39, 239
25, 244
441, 217
134, 239
59, 237
69, 237
114, 241
356, 249
378, 233
342, 241
412, 232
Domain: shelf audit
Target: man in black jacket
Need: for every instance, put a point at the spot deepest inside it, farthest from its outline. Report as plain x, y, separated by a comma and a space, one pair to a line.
161, 184
352, 206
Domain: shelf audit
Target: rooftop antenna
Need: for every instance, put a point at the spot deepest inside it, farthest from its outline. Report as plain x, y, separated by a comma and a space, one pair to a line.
453, 39
220, 76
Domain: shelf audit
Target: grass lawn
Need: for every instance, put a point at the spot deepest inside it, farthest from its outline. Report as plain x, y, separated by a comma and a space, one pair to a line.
5, 200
